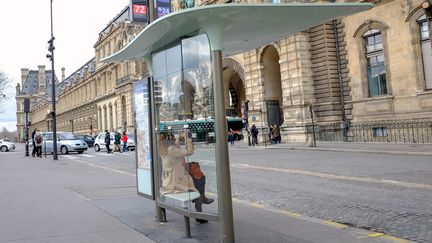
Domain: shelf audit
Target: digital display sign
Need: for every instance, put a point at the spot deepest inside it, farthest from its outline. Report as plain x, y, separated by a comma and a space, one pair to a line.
163, 7
139, 11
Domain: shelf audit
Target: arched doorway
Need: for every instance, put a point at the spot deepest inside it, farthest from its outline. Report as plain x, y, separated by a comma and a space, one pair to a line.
111, 120
235, 93
105, 121
189, 94
124, 113
270, 68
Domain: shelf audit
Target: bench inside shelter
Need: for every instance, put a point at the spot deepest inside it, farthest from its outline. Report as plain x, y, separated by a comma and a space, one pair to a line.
183, 199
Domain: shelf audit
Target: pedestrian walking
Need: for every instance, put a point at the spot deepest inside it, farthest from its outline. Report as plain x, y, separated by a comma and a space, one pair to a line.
271, 135
38, 142
117, 139
254, 132
33, 142
231, 137
124, 140
107, 141
276, 134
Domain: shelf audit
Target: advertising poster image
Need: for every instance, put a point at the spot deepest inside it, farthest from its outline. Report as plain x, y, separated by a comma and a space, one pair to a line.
144, 160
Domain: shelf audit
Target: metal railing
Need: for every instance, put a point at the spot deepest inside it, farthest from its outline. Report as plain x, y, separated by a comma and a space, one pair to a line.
404, 131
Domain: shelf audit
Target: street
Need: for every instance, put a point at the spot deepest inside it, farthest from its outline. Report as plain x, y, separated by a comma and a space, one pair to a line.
384, 193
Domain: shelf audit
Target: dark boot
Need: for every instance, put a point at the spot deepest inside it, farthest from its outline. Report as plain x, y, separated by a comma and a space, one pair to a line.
206, 200
201, 221
198, 204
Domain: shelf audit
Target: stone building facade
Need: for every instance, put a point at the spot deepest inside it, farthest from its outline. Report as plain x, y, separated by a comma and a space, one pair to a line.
97, 96
374, 67
36, 85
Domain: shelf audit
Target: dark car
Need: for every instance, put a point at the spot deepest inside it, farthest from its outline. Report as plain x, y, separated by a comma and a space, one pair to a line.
87, 138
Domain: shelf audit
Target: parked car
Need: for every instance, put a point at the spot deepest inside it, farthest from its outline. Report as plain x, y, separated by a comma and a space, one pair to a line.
87, 138
131, 142
6, 146
66, 142
99, 143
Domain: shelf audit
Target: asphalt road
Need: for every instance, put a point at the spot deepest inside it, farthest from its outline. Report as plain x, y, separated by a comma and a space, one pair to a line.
385, 193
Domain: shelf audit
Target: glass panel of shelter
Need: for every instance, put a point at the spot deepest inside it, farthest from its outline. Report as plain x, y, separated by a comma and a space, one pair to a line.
184, 121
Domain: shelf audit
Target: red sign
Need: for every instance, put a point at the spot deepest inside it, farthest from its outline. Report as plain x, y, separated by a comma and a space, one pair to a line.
139, 9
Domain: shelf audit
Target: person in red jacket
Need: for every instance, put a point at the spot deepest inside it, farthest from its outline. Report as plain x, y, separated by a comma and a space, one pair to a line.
124, 140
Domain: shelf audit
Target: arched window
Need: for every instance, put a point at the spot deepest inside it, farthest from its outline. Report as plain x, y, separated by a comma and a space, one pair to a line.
376, 74
111, 121
426, 50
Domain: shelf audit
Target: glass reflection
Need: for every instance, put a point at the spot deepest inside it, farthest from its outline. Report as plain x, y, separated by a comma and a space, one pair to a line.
184, 112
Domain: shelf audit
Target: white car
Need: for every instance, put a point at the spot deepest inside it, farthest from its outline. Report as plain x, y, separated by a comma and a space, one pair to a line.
6, 146
99, 143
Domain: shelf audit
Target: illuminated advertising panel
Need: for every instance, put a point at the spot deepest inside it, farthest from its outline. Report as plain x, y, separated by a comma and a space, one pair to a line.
143, 153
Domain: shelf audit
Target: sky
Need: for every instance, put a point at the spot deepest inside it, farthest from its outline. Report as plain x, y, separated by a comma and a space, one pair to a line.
26, 27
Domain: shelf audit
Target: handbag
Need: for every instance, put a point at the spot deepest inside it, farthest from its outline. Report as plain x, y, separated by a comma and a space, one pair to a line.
195, 170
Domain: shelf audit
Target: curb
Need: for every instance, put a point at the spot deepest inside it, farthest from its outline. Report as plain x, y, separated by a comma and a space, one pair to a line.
346, 150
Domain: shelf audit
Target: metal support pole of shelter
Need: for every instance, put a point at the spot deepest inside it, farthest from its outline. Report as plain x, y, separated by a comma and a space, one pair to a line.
187, 227
222, 158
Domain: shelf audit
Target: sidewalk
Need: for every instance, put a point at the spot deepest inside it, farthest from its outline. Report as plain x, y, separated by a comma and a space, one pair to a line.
66, 201
376, 148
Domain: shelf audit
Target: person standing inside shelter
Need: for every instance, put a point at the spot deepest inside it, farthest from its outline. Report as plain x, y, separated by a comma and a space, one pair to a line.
175, 175
38, 142
107, 141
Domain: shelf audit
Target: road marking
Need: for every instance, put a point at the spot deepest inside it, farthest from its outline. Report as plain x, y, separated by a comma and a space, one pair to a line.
106, 154
71, 157
395, 239
336, 177
336, 225
291, 214
257, 205
103, 167
88, 155
373, 235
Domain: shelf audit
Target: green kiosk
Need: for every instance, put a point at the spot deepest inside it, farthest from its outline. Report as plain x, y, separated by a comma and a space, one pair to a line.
185, 50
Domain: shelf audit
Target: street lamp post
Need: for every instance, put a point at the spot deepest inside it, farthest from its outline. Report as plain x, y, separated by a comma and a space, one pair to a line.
72, 125
53, 100
91, 125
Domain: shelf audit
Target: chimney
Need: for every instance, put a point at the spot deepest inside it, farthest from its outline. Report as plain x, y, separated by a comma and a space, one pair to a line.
63, 73
24, 74
42, 80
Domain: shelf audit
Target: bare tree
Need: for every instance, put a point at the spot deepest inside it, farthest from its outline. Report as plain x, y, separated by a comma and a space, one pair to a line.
10, 136
4, 81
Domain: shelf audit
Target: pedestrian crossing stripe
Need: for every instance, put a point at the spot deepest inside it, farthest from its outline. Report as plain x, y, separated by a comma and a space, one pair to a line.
88, 155
106, 154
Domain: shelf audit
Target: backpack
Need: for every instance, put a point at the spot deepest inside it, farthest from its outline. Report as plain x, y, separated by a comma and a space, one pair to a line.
38, 138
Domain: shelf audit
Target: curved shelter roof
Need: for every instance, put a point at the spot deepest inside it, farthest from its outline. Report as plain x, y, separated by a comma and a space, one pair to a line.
234, 28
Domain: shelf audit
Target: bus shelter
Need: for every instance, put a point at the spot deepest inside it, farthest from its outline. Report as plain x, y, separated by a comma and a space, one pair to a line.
184, 95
